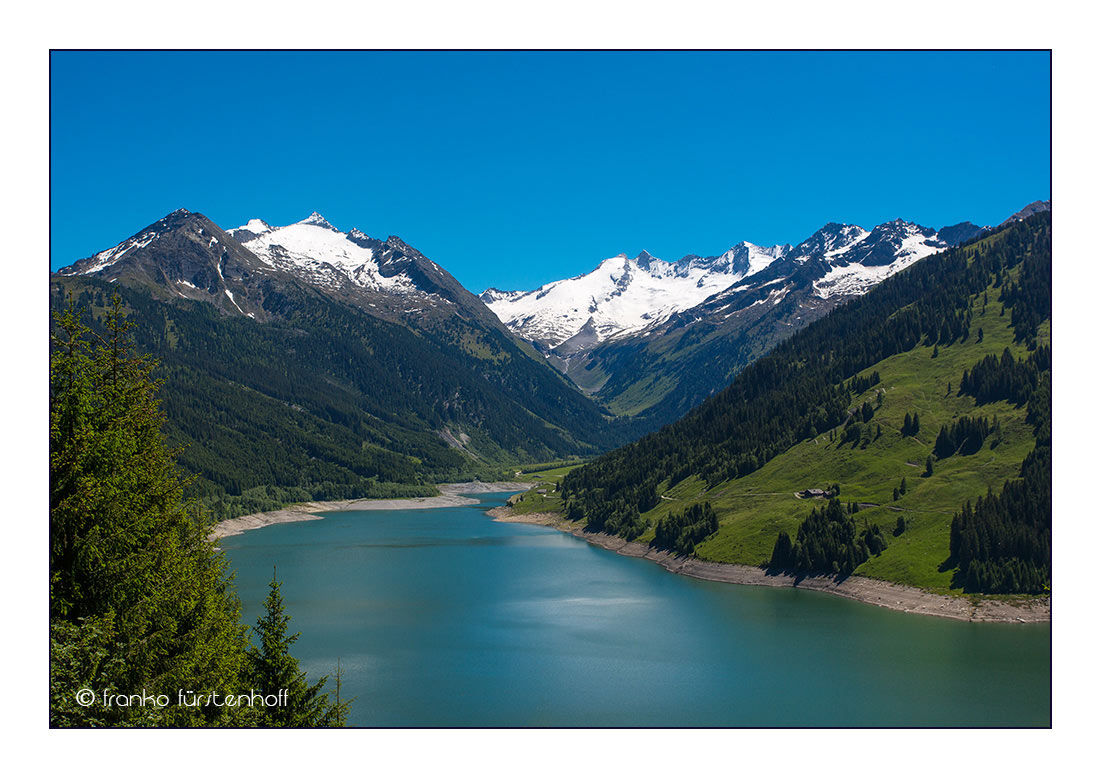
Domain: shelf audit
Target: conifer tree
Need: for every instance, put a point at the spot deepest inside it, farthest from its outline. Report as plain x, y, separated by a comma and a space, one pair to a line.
782, 552
138, 597
274, 671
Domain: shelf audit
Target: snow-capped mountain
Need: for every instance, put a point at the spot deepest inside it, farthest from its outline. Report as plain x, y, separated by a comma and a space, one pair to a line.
318, 252
387, 278
666, 368
346, 359
874, 256
647, 337
623, 295
187, 255
831, 240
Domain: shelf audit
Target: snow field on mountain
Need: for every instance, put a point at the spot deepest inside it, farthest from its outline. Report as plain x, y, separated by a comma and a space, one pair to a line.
323, 252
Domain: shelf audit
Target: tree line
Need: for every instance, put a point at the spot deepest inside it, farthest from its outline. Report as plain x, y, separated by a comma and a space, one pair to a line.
1001, 544
325, 402
802, 387
828, 542
682, 531
139, 599
1005, 378
965, 436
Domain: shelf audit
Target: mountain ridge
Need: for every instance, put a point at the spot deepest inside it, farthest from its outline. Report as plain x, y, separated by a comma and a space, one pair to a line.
292, 377
464, 394
934, 386
551, 314
656, 372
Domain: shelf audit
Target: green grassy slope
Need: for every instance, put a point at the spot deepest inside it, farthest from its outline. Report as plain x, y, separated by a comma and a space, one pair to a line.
753, 507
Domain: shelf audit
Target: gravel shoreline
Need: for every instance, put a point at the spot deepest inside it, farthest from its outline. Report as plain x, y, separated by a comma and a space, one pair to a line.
450, 495
862, 589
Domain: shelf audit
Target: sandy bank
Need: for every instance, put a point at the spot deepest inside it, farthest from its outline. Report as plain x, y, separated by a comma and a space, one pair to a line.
862, 589
450, 495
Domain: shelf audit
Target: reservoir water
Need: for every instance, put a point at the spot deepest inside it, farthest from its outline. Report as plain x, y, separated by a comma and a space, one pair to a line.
444, 617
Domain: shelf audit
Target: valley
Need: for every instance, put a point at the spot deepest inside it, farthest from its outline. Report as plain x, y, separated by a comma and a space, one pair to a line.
492, 388
883, 471
650, 339
303, 364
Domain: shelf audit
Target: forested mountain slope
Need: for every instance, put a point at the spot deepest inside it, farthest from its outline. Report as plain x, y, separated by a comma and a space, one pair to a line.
960, 341
280, 390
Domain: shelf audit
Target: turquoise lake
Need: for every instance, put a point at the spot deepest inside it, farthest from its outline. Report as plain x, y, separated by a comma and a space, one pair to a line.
444, 617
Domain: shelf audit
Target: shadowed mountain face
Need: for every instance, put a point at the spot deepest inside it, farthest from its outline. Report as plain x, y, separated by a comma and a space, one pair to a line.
960, 233
390, 358
328, 362
185, 255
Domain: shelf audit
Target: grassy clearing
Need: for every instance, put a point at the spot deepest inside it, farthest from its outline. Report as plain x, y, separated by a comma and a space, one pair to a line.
532, 501
755, 508
641, 396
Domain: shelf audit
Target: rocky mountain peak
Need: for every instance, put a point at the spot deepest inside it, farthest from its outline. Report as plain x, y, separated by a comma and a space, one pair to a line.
317, 220
1039, 206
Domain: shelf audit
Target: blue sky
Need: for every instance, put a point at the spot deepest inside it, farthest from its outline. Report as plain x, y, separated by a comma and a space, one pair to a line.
512, 169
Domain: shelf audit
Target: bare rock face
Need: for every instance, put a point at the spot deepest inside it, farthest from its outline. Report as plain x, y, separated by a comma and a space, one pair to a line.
186, 255
1039, 206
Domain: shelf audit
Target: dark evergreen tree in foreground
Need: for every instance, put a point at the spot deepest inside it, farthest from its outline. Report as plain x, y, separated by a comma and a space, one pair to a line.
273, 671
138, 597
781, 553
